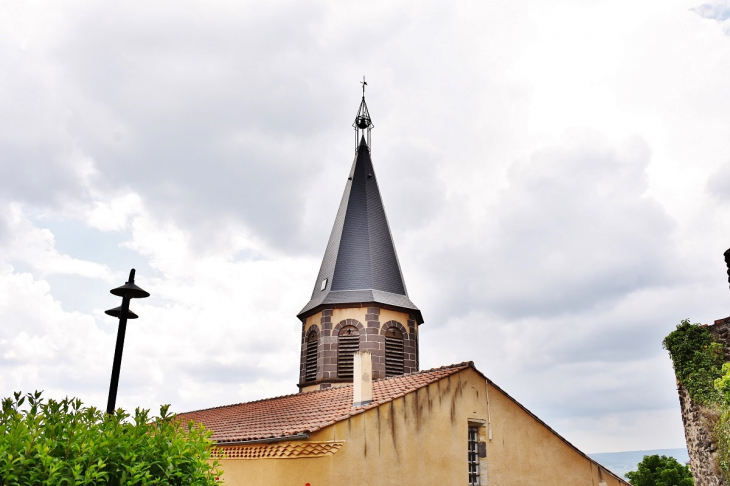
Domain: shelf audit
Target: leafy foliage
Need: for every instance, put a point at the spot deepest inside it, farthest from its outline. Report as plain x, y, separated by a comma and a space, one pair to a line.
722, 384
660, 471
63, 443
697, 359
722, 427
722, 438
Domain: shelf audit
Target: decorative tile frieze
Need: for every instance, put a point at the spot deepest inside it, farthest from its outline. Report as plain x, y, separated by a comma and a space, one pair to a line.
283, 450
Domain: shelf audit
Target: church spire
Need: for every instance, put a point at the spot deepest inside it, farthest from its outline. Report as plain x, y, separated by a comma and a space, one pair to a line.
360, 263
359, 301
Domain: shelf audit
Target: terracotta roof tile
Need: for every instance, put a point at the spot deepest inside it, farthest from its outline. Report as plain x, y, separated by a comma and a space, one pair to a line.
305, 412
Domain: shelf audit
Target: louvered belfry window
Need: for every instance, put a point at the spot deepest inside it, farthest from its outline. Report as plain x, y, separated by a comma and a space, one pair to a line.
347, 345
393, 352
311, 370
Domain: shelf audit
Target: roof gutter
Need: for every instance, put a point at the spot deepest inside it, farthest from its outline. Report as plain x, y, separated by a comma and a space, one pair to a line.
303, 436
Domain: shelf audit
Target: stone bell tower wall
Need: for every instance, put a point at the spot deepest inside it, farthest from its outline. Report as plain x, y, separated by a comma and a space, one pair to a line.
372, 322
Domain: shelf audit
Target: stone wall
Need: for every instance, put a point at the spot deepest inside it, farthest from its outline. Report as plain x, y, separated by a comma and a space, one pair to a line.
698, 424
699, 421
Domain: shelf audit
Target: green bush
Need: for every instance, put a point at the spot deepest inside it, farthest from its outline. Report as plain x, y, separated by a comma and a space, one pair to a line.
660, 471
63, 443
697, 360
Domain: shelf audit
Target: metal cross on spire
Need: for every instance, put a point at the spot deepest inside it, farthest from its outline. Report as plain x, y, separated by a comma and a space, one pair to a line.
364, 83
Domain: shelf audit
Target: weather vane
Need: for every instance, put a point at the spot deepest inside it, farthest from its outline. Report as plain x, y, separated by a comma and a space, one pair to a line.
364, 83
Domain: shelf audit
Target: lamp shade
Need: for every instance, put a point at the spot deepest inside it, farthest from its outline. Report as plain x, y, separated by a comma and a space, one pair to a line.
131, 291
117, 311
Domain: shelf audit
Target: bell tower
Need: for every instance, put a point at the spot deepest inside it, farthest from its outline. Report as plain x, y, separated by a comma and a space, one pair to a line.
359, 301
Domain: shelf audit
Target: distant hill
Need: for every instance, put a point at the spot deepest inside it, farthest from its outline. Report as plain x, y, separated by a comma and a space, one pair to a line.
622, 462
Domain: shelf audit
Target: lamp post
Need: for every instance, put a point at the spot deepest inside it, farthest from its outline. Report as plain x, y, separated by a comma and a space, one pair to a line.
127, 292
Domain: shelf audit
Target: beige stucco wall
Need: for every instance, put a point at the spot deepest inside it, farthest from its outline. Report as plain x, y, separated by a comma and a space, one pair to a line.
421, 439
521, 443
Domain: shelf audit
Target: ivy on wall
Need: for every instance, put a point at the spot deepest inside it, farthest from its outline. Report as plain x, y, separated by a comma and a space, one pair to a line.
697, 359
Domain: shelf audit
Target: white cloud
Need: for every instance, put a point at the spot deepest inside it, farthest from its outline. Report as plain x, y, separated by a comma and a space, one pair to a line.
113, 215
554, 175
718, 10
35, 247
43, 347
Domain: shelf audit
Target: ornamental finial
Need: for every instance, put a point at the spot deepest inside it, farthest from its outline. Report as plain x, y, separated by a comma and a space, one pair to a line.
363, 123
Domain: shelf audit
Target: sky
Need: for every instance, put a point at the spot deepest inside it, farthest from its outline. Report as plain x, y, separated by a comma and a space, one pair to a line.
556, 177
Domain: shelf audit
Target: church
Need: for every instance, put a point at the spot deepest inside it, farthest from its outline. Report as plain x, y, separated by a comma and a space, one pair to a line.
365, 413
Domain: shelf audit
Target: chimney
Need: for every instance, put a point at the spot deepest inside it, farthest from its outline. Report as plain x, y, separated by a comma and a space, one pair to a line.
362, 379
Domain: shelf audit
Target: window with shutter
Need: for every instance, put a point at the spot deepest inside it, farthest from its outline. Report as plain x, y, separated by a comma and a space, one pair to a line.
473, 456
393, 352
347, 345
311, 370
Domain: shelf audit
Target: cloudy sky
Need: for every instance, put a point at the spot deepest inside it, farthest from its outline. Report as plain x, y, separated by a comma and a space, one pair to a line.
556, 175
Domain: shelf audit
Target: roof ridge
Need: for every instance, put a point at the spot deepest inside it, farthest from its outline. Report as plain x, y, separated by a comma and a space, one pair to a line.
454, 366
257, 401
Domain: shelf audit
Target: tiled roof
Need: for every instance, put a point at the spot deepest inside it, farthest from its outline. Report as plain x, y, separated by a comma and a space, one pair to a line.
300, 413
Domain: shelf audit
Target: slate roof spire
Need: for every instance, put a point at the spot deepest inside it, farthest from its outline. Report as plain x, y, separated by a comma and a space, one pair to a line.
360, 263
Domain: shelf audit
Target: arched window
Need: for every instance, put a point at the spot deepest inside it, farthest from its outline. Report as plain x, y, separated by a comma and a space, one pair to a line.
311, 363
347, 345
393, 352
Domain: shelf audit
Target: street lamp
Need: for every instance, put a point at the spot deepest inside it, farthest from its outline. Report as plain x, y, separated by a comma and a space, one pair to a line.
126, 292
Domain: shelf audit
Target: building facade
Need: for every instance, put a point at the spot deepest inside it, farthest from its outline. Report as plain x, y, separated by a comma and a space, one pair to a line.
365, 414
447, 426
